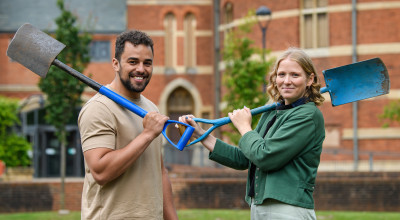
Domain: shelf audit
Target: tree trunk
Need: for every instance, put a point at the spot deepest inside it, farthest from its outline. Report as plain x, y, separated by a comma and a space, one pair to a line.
62, 171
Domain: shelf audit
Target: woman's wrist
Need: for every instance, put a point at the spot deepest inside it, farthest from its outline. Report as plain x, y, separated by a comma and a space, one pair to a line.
209, 142
243, 131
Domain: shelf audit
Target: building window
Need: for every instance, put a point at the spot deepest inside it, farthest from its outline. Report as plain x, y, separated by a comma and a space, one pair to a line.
314, 24
227, 18
179, 103
190, 43
100, 51
228, 13
170, 43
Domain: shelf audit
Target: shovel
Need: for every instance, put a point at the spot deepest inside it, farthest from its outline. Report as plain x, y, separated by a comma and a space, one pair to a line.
37, 51
345, 84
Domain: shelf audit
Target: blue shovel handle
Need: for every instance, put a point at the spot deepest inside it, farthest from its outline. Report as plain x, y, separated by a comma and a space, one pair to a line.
125, 103
226, 120
141, 112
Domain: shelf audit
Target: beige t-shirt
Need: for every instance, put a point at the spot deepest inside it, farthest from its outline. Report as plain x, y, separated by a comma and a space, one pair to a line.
136, 194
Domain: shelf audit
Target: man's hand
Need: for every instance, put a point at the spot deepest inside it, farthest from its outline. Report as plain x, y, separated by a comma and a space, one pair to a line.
153, 123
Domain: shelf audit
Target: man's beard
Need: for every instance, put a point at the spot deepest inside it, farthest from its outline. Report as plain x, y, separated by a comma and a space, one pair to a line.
129, 86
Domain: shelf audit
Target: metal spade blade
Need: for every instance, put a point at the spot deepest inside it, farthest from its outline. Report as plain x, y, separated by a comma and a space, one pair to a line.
357, 81
34, 49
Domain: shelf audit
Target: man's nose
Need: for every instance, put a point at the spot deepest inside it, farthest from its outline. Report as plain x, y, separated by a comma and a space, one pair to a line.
140, 67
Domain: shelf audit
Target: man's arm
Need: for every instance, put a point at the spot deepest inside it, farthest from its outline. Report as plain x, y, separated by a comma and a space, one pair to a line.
168, 202
106, 164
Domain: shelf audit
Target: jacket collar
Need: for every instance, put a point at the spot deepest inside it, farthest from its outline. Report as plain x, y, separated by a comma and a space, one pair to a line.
298, 102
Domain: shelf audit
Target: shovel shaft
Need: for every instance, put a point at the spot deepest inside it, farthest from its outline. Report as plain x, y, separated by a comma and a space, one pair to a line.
88, 81
226, 120
125, 103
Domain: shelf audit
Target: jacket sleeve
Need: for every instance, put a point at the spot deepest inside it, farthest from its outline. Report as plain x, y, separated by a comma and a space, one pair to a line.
287, 141
229, 156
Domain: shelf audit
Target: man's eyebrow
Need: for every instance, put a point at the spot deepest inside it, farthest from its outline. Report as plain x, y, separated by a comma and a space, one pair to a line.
135, 58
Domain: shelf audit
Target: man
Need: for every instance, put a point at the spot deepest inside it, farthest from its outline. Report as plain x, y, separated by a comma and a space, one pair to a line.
125, 177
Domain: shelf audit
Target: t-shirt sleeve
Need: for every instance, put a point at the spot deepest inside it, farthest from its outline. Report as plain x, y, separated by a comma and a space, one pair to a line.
96, 126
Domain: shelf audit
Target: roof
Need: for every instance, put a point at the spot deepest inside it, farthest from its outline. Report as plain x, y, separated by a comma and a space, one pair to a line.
98, 16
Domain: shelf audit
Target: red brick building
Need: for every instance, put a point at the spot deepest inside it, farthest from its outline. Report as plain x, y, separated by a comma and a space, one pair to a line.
184, 75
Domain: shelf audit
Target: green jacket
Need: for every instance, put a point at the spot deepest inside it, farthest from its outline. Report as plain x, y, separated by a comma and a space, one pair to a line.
287, 158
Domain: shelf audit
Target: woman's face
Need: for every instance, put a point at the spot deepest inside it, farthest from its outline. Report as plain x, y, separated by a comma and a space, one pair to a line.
292, 80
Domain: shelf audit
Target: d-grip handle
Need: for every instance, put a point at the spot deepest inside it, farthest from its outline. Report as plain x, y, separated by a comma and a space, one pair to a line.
141, 112
185, 136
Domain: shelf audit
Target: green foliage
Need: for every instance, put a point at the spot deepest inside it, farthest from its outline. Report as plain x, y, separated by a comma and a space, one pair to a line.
8, 114
13, 148
244, 75
14, 151
64, 91
391, 112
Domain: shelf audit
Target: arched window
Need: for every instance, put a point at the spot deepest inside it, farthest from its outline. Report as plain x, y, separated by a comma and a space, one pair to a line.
228, 13
170, 43
190, 43
179, 103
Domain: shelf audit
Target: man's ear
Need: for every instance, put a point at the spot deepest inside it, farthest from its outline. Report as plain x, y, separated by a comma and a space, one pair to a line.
115, 64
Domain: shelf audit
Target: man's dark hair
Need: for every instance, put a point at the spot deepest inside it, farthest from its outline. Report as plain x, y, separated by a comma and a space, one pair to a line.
135, 37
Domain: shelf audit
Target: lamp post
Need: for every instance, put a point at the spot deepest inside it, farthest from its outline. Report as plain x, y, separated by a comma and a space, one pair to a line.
263, 15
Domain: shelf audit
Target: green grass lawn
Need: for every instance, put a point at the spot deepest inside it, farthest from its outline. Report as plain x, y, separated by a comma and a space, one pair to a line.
214, 214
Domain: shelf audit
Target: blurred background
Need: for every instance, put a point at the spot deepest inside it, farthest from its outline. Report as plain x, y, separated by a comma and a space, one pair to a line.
196, 44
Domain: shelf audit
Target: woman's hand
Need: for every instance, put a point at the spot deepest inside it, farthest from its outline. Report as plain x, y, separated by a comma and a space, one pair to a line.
208, 141
188, 119
241, 119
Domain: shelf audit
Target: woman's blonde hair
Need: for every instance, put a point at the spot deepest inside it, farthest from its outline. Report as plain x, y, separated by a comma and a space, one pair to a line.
299, 56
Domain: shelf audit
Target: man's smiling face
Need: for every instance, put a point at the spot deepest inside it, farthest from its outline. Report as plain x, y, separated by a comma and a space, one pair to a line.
135, 67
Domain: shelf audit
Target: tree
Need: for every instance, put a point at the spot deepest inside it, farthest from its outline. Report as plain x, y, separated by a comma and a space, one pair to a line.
13, 148
63, 91
391, 112
244, 76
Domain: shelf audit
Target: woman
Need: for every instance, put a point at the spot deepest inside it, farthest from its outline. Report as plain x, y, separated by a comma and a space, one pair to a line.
282, 154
